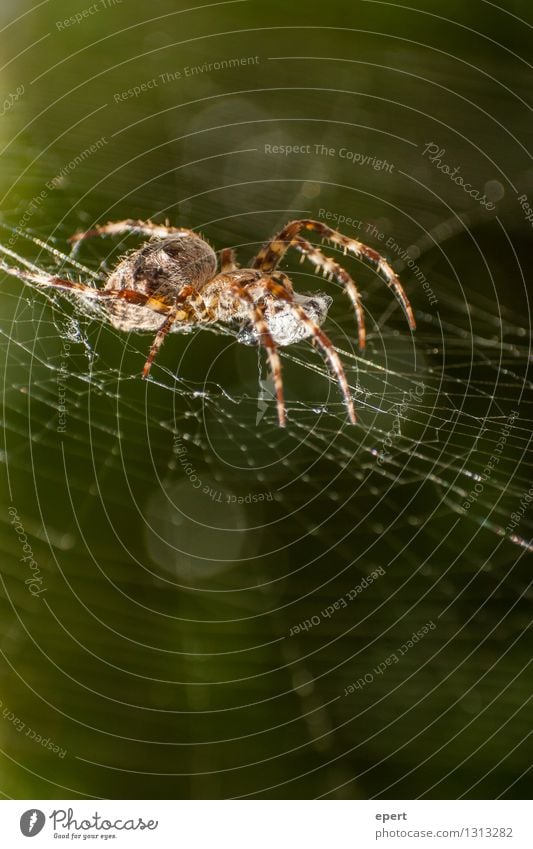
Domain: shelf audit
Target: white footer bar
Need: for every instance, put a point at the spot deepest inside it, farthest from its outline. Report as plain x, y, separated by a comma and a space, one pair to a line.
267, 824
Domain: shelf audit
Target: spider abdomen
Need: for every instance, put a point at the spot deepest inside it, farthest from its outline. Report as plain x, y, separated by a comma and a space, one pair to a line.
160, 269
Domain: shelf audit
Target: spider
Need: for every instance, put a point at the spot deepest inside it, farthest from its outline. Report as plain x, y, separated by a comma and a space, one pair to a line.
172, 283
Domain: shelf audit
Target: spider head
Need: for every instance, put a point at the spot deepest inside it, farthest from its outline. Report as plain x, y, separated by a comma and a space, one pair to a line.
285, 326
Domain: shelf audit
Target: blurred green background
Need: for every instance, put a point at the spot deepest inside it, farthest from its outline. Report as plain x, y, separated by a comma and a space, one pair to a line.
159, 658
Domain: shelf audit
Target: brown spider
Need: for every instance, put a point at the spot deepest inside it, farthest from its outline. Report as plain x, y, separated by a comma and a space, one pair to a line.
171, 283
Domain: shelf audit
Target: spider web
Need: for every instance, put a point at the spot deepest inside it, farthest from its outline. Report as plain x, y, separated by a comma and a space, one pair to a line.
447, 410
387, 494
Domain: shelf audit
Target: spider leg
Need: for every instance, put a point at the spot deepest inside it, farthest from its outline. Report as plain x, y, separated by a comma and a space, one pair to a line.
273, 251
332, 269
257, 312
40, 278
130, 225
228, 260
158, 341
161, 334
37, 278
277, 285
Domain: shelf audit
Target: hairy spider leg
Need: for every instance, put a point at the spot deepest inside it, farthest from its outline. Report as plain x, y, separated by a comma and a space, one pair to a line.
332, 269
172, 317
84, 291
257, 313
274, 250
277, 284
131, 225
228, 260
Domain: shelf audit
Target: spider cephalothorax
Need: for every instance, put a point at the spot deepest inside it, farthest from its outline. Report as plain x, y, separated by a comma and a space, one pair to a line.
173, 282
